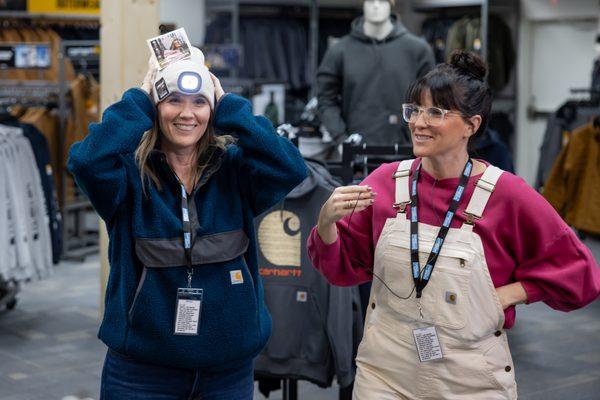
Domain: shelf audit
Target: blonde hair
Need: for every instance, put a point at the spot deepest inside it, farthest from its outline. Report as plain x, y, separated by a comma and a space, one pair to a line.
151, 138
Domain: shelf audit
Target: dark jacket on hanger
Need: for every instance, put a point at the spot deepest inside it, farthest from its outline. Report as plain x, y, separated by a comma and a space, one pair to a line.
362, 83
315, 324
491, 148
435, 31
276, 51
595, 88
465, 34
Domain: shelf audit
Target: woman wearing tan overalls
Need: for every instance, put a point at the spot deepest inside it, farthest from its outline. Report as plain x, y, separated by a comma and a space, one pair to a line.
451, 244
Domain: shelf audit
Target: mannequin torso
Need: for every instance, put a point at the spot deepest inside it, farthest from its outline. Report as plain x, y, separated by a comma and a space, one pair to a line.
363, 79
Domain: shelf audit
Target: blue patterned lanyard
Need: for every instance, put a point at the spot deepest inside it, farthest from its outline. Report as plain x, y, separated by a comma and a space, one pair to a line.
421, 280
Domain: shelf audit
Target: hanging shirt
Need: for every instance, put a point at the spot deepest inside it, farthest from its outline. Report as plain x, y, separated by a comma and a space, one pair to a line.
524, 239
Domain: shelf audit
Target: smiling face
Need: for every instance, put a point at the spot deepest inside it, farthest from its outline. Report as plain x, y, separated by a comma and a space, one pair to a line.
183, 120
448, 139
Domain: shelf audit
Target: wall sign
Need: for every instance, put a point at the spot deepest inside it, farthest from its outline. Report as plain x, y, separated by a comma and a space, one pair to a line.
25, 56
91, 7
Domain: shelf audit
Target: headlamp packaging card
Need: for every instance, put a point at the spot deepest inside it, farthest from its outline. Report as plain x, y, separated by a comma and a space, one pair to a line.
170, 47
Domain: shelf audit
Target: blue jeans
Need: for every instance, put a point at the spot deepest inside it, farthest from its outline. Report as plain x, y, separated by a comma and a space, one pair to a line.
124, 378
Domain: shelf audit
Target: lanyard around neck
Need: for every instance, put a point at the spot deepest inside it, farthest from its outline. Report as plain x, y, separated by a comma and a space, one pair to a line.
422, 279
187, 233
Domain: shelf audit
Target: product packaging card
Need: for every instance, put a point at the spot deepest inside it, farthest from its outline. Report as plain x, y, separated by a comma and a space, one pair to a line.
170, 47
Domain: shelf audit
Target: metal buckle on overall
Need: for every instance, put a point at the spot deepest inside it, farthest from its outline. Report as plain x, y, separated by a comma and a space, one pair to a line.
470, 218
401, 207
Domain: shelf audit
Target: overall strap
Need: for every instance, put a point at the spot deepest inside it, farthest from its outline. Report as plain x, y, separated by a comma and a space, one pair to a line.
402, 185
483, 190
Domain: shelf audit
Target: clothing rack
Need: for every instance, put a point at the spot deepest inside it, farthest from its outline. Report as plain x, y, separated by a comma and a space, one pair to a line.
576, 101
28, 94
6, 103
356, 155
77, 243
13, 92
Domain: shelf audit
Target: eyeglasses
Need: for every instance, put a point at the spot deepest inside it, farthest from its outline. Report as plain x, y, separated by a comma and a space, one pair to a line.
434, 116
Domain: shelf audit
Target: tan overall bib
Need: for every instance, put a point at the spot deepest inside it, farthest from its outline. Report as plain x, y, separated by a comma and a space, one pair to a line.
460, 302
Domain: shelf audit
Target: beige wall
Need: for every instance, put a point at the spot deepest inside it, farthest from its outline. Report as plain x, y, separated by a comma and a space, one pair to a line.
126, 24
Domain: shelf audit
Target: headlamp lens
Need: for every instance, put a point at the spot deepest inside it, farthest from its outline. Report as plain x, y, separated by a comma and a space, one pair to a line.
189, 82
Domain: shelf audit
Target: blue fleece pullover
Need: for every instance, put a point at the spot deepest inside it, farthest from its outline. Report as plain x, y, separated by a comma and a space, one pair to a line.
147, 261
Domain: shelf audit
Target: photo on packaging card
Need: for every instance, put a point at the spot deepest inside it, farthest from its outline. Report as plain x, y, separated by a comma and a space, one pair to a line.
170, 47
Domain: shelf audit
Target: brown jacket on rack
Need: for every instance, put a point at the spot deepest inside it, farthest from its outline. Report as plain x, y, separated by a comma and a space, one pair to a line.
48, 35
11, 36
85, 94
573, 187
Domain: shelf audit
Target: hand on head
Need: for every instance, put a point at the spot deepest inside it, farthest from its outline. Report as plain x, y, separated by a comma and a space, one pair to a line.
149, 78
219, 92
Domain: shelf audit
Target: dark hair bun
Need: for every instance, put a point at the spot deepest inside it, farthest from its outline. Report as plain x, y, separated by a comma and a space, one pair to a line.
468, 63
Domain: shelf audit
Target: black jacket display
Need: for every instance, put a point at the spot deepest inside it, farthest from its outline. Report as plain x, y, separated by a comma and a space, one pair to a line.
316, 326
362, 83
491, 148
274, 50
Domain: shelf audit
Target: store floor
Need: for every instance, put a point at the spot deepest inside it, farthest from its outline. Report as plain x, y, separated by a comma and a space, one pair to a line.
49, 350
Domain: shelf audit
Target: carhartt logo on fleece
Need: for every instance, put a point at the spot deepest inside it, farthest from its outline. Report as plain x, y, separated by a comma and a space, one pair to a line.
236, 277
301, 296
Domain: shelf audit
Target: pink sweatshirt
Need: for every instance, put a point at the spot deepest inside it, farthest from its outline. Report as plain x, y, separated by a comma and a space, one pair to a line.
524, 239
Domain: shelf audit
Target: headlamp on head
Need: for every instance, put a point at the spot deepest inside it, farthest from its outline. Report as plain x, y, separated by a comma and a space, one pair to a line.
189, 82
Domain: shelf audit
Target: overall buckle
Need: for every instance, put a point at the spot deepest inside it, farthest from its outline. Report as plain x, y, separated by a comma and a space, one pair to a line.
401, 207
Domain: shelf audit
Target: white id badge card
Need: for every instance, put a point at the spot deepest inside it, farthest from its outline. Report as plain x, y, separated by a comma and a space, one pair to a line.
189, 308
428, 344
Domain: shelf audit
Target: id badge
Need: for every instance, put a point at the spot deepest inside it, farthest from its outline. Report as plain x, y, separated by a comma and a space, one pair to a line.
187, 313
428, 344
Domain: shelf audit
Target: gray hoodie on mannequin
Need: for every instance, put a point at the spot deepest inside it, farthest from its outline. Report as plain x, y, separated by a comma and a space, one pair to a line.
362, 83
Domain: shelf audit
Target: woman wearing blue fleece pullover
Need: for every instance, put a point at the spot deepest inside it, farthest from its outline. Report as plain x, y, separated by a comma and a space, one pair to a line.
184, 311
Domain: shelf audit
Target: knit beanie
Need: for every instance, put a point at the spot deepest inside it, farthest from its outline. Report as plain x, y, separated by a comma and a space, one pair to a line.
189, 76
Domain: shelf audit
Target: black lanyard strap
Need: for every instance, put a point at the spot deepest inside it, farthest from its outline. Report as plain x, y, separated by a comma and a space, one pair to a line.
187, 233
421, 278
